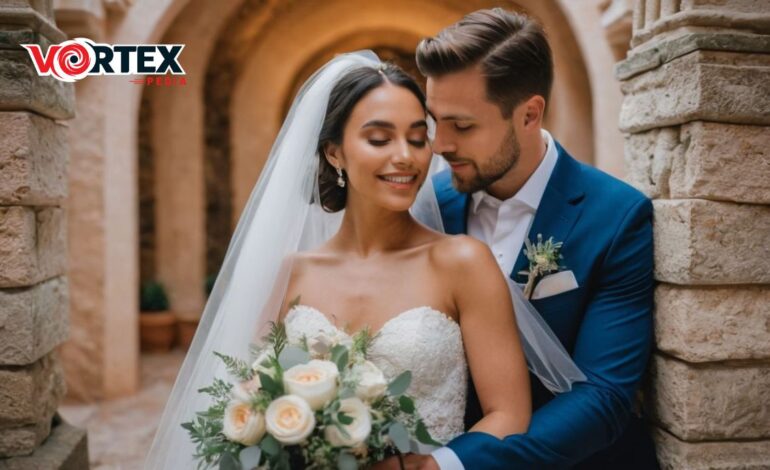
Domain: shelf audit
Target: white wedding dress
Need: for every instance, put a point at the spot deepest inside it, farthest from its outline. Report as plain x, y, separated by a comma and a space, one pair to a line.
422, 340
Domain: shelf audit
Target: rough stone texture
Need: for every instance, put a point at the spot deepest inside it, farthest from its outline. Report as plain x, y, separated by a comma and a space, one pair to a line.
711, 402
29, 397
33, 160
707, 243
65, 449
674, 454
640, 61
32, 245
701, 160
713, 323
32, 321
22, 89
731, 15
693, 87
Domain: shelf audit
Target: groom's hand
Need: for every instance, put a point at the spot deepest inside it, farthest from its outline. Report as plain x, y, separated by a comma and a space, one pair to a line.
411, 462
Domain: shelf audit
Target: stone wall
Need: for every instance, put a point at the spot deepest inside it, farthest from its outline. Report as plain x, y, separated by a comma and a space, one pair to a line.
696, 113
33, 244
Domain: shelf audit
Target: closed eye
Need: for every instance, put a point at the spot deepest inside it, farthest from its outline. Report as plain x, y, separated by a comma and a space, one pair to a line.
462, 127
418, 143
379, 143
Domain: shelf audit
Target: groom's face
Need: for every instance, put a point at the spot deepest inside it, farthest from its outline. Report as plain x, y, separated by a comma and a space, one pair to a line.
477, 141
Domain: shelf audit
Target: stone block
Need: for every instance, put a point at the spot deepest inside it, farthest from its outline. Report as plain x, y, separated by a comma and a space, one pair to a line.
33, 160
702, 324
65, 449
702, 160
30, 395
22, 89
33, 321
711, 401
33, 245
707, 243
675, 454
730, 87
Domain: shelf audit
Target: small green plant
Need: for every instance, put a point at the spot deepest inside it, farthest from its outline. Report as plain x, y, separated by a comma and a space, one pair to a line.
152, 297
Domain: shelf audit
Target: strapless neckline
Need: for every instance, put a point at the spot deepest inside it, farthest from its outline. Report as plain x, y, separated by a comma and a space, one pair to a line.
421, 310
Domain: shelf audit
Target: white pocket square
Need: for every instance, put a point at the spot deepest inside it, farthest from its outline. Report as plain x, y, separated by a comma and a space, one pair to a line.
555, 284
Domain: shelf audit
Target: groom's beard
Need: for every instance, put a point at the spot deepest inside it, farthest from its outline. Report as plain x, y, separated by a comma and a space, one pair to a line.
505, 158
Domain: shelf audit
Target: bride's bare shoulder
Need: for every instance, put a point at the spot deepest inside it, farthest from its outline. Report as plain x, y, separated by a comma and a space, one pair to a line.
458, 253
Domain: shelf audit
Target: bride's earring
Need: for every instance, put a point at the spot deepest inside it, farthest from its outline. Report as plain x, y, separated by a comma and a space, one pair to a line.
340, 178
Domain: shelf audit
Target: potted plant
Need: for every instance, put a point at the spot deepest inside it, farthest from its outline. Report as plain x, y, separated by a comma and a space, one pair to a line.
188, 322
157, 325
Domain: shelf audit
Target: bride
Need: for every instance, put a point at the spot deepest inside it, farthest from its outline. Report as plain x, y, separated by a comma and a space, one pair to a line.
329, 222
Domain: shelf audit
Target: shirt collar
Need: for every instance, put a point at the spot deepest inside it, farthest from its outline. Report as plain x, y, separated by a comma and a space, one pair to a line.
532, 192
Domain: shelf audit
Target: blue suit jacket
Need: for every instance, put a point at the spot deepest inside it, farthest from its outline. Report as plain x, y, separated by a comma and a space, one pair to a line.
605, 324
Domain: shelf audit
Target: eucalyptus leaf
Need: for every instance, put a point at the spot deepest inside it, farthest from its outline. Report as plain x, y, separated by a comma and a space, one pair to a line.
400, 437
406, 404
400, 384
229, 462
346, 461
250, 457
292, 356
346, 392
422, 435
342, 360
344, 419
269, 385
270, 446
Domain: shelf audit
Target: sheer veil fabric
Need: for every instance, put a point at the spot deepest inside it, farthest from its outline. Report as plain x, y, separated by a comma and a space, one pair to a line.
282, 217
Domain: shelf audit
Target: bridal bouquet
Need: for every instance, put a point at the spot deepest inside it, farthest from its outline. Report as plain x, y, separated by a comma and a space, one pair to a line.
319, 404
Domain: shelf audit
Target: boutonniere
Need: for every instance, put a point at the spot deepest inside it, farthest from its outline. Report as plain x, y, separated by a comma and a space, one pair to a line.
543, 259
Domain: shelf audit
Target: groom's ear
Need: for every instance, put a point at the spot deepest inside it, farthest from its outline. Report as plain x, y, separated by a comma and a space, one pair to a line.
534, 109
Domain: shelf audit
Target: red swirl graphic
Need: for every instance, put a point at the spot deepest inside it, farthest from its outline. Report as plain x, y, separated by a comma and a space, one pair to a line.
73, 59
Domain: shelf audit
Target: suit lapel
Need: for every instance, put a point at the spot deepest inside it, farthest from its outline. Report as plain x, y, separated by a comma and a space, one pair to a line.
452, 203
558, 210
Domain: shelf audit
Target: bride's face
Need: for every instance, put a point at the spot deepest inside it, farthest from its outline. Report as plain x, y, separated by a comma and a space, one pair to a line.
385, 151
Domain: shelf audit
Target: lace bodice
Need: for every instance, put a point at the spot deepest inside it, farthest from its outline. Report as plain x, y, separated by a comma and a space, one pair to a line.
422, 340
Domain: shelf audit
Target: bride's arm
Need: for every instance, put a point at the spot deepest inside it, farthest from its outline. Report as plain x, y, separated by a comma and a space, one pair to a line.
491, 338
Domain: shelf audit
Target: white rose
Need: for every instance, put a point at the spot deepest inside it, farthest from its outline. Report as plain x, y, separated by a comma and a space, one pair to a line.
243, 424
320, 344
245, 390
358, 431
263, 363
289, 419
315, 381
371, 381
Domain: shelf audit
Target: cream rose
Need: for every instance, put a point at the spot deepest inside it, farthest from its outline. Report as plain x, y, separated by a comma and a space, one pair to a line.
371, 381
315, 381
358, 431
243, 424
289, 419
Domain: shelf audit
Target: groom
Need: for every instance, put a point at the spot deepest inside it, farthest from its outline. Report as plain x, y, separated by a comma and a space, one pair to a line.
489, 81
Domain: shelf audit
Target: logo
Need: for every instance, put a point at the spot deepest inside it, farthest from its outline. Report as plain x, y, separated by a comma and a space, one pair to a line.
77, 58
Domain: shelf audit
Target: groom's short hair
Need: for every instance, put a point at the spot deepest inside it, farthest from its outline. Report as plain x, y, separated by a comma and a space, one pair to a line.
511, 49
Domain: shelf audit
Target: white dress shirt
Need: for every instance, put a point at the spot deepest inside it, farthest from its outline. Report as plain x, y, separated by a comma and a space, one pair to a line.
503, 225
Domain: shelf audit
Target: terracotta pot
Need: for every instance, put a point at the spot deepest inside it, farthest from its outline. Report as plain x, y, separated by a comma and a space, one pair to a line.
157, 331
186, 327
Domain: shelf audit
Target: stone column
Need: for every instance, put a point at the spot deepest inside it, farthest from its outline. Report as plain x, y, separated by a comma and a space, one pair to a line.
33, 247
697, 114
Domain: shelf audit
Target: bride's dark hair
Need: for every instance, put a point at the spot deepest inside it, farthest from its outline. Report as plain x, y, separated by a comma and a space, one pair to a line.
348, 91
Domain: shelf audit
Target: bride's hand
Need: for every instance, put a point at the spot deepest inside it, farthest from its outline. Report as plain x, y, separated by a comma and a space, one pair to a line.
411, 462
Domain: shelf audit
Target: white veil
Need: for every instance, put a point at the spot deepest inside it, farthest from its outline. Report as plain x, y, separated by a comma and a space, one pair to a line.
282, 217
